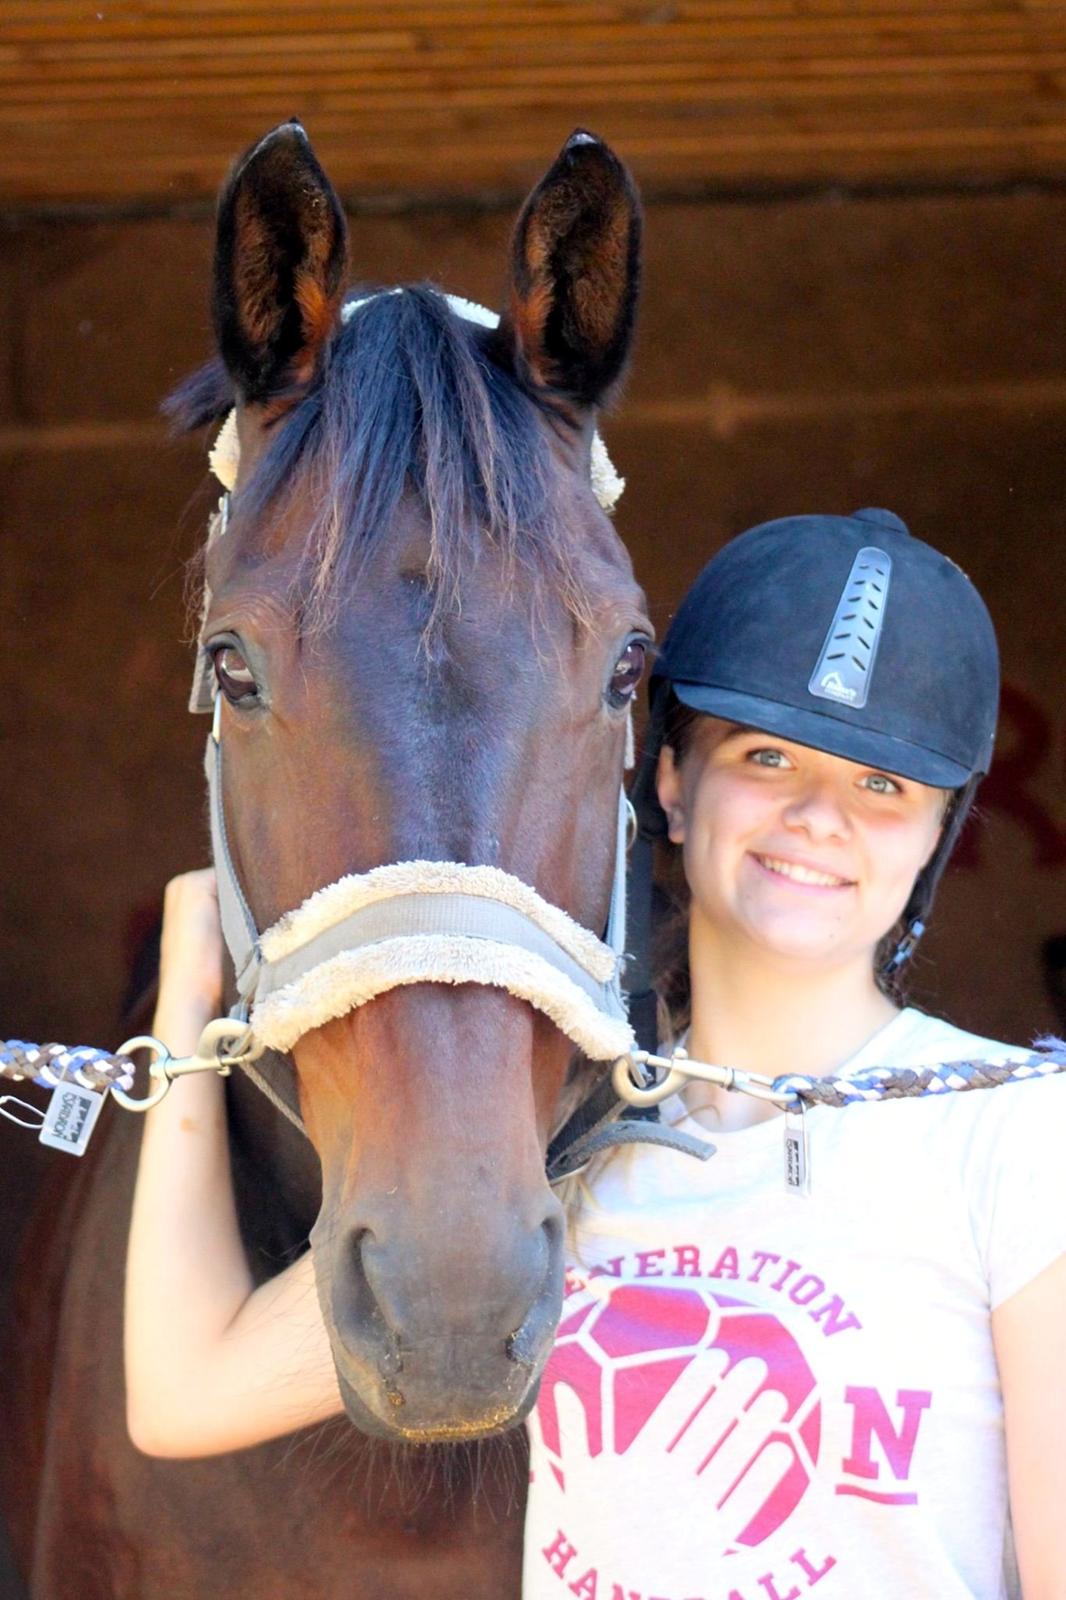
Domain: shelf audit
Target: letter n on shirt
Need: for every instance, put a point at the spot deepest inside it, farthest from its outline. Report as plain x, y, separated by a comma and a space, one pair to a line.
896, 1437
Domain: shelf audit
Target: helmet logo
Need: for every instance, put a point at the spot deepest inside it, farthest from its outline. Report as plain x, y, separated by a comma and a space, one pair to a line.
833, 686
845, 666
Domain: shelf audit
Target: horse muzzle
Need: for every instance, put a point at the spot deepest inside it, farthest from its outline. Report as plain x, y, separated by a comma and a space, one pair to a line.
439, 1341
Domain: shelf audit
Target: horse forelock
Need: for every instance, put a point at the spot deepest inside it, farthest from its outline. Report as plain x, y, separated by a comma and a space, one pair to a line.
410, 403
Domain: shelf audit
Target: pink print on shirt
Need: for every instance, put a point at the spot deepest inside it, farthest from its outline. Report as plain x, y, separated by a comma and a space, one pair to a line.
705, 1384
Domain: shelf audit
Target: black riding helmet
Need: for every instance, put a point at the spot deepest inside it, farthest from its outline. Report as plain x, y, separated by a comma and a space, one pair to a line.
848, 635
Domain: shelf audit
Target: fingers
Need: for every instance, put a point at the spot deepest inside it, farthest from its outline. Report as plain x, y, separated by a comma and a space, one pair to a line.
192, 887
709, 1412
720, 1430
190, 959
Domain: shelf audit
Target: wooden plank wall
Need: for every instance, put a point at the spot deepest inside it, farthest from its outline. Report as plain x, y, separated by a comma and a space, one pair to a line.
127, 101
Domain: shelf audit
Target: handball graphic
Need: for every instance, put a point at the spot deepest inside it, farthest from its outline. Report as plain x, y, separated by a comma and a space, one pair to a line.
686, 1383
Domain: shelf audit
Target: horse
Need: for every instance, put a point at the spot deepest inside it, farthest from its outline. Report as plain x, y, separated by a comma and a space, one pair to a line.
426, 635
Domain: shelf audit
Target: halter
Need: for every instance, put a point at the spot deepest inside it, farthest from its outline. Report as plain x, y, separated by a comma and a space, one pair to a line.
420, 922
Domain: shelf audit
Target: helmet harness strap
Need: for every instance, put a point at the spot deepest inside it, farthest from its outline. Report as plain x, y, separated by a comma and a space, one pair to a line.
920, 904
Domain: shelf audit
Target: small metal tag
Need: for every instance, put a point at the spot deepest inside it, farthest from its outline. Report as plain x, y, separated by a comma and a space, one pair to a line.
797, 1166
70, 1118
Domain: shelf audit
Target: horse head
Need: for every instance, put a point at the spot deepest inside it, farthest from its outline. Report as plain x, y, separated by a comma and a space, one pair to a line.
426, 636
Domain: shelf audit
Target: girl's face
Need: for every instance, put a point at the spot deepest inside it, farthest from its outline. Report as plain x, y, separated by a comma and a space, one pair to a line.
808, 856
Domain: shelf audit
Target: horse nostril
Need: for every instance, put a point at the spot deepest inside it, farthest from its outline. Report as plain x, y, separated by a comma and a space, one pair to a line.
526, 1346
518, 1347
362, 1322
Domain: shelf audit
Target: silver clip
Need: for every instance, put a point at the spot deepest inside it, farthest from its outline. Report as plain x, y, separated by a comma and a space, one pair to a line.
677, 1069
224, 1044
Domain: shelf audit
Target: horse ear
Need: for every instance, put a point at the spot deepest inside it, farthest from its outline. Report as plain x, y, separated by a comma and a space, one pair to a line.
575, 274
280, 257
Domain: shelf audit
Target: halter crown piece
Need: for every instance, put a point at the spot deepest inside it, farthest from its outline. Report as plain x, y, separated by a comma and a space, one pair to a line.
607, 483
415, 921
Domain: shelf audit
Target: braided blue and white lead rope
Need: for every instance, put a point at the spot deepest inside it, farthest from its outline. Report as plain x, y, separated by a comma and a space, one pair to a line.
52, 1064
944, 1077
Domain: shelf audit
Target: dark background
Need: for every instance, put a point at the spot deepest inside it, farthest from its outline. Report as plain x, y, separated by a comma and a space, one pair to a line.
802, 354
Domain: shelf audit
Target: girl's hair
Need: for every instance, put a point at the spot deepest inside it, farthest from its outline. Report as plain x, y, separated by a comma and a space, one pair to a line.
673, 982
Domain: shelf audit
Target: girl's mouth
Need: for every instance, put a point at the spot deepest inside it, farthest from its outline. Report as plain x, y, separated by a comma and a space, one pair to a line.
796, 872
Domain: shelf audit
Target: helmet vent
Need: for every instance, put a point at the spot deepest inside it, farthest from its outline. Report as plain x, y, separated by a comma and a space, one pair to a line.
845, 666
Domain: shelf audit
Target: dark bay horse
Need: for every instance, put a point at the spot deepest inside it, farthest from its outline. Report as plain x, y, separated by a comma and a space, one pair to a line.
426, 636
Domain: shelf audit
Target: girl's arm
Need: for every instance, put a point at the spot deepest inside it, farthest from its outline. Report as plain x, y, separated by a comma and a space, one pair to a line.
1029, 1331
212, 1364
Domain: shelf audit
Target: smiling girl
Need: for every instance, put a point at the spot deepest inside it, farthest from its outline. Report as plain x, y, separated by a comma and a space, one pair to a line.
754, 1393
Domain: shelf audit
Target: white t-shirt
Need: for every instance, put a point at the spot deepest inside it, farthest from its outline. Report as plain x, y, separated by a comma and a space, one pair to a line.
756, 1395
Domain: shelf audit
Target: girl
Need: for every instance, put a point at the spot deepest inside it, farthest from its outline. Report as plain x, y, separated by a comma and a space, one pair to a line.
755, 1392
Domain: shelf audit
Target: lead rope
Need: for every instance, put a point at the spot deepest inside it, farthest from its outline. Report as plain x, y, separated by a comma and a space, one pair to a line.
883, 1083
81, 1078
227, 1042
662, 1076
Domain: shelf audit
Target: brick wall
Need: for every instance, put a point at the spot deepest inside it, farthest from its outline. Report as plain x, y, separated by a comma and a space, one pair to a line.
816, 355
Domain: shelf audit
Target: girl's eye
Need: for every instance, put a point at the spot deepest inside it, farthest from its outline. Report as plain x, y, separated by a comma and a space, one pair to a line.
769, 757
881, 783
235, 677
628, 671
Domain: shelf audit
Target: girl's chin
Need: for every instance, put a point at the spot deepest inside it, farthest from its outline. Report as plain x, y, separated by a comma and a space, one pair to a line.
806, 940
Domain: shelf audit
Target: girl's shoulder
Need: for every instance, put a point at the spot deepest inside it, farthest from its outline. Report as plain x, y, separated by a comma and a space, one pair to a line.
997, 1118
1010, 1143
915, 1038
1002, 1144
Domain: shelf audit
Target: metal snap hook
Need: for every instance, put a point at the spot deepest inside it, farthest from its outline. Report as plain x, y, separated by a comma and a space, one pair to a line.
157, 1070
634, 1094
223, 1045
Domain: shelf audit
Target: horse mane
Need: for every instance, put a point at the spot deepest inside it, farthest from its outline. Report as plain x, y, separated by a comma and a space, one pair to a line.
408, 401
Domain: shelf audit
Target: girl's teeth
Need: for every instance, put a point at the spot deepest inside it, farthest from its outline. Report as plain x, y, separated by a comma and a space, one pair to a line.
789, 869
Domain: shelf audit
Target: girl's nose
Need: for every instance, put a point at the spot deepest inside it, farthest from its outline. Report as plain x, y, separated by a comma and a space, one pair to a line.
819, 811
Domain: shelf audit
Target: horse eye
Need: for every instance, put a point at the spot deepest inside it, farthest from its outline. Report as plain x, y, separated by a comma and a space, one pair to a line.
628, 671
235, 677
